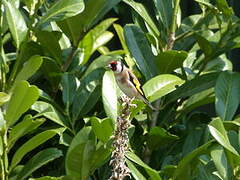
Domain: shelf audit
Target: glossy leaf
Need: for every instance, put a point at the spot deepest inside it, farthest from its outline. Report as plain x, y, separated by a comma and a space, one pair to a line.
50, 42
185, 166
29, 68
100, 62
23, 96
223, 7
16, 23
118, 28
194, 86
158, 137
52, 71
134, 171
95, 38
141, 50
220, 160
33, 143
109, 95
78, 25
205, 45
227, 92
161, 85
79, 154
49, 178
199, 99
218, 131
142, 11
61, 10
164, 11
48, 111
151, 172
170, 60
24, 127
69, 84
100, 156
40, 159
102, 128
4, 98
87, 94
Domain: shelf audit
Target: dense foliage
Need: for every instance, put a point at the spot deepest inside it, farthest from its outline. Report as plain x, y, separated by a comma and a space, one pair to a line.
59, 105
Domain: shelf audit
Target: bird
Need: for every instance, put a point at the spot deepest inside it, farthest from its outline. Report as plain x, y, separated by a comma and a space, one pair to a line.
128, 82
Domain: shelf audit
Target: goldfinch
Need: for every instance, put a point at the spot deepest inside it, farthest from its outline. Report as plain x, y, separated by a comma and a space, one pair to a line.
128, 82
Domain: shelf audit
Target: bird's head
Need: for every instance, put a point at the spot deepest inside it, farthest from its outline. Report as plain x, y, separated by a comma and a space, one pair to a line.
116, 66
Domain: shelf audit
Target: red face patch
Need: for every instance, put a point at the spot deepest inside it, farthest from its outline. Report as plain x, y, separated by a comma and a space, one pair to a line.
113, 65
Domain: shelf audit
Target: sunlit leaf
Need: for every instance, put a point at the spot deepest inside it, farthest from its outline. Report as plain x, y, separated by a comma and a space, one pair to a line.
23, 96
40, 159
109, 95
16, 23
33, 143
161, 85
141, 50
227, 92
61, 10
102, 128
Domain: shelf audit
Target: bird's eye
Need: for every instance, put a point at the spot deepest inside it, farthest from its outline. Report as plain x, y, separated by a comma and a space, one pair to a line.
113, 67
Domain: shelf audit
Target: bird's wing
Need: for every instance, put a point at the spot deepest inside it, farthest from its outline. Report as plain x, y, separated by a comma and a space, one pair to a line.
135, 81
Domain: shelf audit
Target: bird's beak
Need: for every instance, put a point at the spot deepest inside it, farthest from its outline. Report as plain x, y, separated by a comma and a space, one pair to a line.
108, 67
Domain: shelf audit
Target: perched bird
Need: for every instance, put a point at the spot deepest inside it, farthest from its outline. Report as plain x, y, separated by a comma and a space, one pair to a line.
128, 82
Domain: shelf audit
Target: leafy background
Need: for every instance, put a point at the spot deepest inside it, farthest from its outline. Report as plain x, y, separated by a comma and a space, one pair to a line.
59, 104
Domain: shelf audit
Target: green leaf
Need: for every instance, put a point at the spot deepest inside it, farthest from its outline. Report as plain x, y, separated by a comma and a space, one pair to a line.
48, 178
16, 23
2, 125
119, 30
22, 128
221, 63
199, 99
218, 131
161, 85
102, 128
134, 171
100, 62
78, 158
52, 71
158, 137
164, 11
194, 86
23, 96
69, 84
61, 10
205, 45
142, 11
50, 43
227, 92
29, 68
141, 50
95, 38
77, 26
223, 7
4, 98
168, 61
151, 172
48, 111
220, 160
87, 94
100, 156
33, 143
189, 162
109, 95
39, 160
